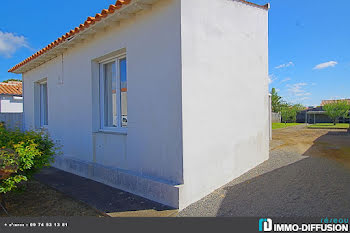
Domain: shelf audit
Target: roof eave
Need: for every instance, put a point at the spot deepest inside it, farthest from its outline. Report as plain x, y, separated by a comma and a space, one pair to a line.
124, 13
266, 6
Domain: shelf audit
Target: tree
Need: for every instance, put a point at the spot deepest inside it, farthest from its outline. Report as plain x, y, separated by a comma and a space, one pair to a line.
276, 101
12, 79
299, 107
289, 113
337, 109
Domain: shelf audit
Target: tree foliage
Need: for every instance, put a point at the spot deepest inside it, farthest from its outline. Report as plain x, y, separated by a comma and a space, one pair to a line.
22, 154
12, 79
276, 101
337, 109
288, 113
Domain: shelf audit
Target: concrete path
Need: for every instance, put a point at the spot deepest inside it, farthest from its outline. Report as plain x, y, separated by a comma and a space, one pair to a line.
105, 199
295, 181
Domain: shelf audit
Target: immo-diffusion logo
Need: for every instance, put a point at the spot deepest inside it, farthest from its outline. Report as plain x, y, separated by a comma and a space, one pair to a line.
326, 225
265, 224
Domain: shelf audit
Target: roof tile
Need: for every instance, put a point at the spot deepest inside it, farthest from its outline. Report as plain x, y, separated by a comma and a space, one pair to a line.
11, 88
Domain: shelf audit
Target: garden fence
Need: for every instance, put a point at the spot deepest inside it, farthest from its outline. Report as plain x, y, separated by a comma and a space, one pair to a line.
12, 120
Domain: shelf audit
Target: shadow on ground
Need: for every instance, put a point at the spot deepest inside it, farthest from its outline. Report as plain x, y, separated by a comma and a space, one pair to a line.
114, 202
316, 186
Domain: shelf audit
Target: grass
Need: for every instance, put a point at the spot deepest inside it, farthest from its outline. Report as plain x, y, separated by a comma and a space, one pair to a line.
283, 125
329, 126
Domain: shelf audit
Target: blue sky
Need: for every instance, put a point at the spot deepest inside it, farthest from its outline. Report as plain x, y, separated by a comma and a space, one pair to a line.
309, 41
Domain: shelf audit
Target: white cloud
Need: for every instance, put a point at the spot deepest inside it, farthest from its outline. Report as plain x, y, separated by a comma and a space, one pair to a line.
272, 78
10, 43
286, 80
304, 98
339, 97
285, 65
297, 92
325, 65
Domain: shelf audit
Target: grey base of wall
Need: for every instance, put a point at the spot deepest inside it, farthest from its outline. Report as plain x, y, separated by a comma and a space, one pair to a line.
150, 188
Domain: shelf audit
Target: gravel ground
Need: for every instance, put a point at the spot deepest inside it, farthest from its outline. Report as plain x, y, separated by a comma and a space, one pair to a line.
290, 183
40, 200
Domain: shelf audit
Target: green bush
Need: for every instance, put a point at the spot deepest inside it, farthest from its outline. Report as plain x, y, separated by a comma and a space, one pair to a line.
22, 154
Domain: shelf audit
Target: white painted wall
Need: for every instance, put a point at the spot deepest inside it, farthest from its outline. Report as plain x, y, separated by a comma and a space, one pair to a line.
152, 146
224, 93
197, 96
11, 104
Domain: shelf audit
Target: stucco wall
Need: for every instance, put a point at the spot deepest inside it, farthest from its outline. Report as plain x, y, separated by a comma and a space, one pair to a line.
11, 104
152, 146
193, 67
224, 73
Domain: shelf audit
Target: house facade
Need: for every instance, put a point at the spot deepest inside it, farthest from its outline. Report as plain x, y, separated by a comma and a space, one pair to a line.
314, 115
148, 96
11, 100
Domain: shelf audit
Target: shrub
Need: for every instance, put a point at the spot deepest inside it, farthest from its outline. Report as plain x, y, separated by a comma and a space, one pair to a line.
22, 154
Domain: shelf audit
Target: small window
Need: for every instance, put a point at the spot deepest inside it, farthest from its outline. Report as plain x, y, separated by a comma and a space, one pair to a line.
113, 94
43, 104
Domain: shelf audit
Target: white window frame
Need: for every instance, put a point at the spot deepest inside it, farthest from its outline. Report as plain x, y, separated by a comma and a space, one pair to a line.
42, 103
103, 128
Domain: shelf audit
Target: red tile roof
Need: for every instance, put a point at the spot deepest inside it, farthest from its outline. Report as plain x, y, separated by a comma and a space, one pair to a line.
91, 21
11, 88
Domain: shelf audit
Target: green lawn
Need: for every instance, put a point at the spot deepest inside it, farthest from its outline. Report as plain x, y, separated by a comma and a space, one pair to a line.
283, 125
329, 126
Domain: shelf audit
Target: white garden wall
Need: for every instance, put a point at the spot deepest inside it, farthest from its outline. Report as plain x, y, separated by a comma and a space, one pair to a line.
11, 104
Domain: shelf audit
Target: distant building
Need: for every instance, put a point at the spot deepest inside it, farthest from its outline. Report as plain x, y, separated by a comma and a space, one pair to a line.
314, 115
324, 102
11, 100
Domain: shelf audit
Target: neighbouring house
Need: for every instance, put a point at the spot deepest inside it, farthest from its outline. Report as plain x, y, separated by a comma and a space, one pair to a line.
314, 115
11, 100
165, 99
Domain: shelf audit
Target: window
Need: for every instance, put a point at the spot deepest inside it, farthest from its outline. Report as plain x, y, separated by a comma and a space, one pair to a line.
43, 104
113, 94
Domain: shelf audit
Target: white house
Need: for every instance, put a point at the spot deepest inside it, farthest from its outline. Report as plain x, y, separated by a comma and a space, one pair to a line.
11, 100
167, 99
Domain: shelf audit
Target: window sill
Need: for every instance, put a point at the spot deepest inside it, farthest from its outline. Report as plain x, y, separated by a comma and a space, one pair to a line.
115, 131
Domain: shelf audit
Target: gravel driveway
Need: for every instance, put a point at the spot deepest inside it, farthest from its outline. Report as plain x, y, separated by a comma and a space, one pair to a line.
307, 175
